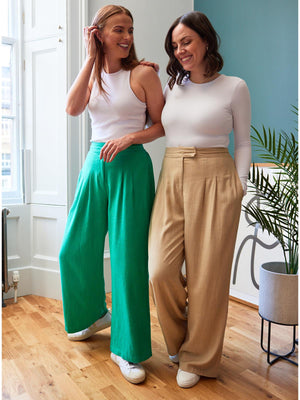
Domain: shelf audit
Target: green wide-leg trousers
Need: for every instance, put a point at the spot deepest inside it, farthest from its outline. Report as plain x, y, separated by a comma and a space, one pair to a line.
116, 197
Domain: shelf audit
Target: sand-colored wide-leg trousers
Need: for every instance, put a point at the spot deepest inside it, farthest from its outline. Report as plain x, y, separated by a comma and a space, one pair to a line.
194, 218
116, 197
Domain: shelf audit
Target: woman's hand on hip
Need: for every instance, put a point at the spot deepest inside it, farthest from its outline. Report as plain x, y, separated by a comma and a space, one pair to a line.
113, 147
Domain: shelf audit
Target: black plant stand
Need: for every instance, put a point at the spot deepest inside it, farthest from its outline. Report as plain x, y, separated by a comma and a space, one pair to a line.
268, 350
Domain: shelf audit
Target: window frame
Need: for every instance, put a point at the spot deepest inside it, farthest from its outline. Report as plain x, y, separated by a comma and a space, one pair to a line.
14, 40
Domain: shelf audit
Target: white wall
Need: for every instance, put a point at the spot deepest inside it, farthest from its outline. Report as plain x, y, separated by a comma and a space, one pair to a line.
253, 247
35, 229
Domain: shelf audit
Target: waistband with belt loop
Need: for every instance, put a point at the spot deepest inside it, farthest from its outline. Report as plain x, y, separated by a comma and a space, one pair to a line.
194, 151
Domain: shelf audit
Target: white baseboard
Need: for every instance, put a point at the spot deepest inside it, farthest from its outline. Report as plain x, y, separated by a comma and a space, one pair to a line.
46, 282
244, 296
38, 281
24, 285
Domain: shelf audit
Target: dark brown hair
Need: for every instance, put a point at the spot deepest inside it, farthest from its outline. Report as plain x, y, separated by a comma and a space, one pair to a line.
100, 20
199, 23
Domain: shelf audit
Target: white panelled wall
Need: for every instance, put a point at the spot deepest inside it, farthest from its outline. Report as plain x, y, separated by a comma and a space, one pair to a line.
35, 229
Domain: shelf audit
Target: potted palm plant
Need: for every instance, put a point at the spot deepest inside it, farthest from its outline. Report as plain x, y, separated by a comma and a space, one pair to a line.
276, 210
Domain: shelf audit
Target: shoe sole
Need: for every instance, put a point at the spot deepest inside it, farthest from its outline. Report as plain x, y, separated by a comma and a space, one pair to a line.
188, 386
88, 334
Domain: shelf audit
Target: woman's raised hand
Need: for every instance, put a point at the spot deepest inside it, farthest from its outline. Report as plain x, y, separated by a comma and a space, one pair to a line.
90, 35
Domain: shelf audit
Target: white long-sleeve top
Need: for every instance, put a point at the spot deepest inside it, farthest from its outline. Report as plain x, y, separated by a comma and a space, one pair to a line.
202, 115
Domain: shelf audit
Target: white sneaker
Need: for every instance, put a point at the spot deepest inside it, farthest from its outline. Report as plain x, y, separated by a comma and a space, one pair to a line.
174, 359
186, 379
134, 373
100, 324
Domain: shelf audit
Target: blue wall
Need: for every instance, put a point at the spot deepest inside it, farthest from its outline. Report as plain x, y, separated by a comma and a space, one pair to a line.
259, 43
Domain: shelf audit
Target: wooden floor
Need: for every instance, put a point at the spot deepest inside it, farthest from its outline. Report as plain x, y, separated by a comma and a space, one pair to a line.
40, 363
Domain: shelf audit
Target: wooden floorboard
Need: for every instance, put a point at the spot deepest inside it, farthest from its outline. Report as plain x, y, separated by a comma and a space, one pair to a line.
39, 363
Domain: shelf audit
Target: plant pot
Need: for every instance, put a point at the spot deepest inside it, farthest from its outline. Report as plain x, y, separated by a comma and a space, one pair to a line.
278, 294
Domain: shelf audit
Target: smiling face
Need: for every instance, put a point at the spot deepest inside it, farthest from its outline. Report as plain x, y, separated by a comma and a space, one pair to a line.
189, 49
117, 37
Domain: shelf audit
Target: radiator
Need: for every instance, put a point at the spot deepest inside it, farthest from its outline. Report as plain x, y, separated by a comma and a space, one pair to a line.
15, 275
5, 284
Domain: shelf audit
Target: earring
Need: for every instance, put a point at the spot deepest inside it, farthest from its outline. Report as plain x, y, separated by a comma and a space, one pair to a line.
206, 47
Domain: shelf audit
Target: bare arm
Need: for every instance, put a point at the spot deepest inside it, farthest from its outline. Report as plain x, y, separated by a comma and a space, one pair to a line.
79, 93
150, 83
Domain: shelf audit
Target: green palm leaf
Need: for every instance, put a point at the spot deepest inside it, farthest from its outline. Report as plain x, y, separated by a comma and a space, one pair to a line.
277, 208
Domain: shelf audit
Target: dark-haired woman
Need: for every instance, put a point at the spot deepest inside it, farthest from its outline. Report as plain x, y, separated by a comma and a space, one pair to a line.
197, 206
115, 193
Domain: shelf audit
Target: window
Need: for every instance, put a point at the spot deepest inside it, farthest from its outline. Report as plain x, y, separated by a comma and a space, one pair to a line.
10, 104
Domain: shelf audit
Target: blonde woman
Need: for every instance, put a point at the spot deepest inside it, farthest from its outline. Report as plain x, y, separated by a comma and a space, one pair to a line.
115, 193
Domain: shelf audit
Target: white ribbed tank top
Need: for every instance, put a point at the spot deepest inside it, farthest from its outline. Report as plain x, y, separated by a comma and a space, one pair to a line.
118, 112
